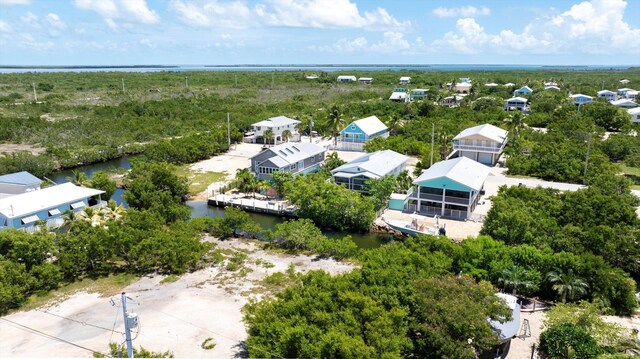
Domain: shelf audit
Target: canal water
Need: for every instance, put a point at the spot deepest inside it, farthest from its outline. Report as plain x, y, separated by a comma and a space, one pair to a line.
201, 209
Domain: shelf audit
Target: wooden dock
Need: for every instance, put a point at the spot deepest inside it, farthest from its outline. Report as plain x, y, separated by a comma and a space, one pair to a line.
279, 208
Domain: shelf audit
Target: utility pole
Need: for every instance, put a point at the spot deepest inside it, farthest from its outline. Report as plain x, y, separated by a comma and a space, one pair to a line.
272, 77
433, 128
586, 161
311, 129
127, 329
236, 80
228, 130
123, 90
35, 96
186, 82
602, 85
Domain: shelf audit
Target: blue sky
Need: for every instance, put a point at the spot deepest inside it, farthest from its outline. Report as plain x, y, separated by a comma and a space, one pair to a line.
114, 32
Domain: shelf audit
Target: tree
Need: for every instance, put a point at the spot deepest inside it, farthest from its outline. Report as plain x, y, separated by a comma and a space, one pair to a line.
379, 190
567, 284
246, 181
78, 178
331, 162
403, 182
286, 135
517, 278
268, 136
101, 181
335, 122
515, 124
444, 145
588, 317
566, 341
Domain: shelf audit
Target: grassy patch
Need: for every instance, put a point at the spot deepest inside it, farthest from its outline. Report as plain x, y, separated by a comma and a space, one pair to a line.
199, 181
106, 286
635, 186
630, 170
169, 279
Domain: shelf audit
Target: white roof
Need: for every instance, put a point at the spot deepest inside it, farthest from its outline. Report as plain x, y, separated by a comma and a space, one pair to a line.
398, 96
488, 131
377, 164
292, 152
632, 92
581, 95
370, 125
551, 83
602, 92
346, 77
492, 84
463, 84
365, 79
405, 78
624, 81
623, 102
277, 122
462, 170
551, 87
23, 178
423, 90
634, 111
519, 99
47, 198
624, 89
509, 84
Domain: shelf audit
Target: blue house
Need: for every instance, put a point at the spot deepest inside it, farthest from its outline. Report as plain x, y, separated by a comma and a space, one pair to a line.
19, 182
358, 132
24, 210
580, 99
449, 188
524, 90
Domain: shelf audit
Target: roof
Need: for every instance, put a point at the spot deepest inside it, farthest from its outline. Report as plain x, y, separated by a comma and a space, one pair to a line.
405, 78
624, 89
277, 121
602, 92
525, 88
292, 152
488, 131
551, 87
370, 125
378, 164
463, 170
46, 198
365, 79
346, 77
492, 84
23, 178
417, 90
623, 101
463, 84
634, 111
519, 99
581, 95
508, 329
624, 81
509, 84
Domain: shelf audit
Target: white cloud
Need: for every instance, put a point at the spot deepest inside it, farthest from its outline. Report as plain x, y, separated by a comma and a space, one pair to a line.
53, 24
30, 19
320, 14
592, 27
14, 2
391, 43
232, 14
4, 27
36, 45
463, 11
125, 11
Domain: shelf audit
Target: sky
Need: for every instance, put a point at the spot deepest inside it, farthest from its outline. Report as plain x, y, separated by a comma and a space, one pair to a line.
231, 32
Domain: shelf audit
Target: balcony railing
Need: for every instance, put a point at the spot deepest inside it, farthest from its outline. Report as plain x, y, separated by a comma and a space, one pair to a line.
438, 198
478, 148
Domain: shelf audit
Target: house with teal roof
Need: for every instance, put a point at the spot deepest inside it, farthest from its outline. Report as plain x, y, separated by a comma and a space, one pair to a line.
450, 188
353, 137
524, 90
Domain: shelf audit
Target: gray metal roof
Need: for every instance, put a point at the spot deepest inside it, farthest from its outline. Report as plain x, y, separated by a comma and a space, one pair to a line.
277, 121
375, 165
463, 170
23, 178
47, 198
370, 125
488, 131
292, 152
509, 329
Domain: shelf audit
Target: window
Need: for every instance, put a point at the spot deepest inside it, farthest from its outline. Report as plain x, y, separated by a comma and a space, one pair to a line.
353, 127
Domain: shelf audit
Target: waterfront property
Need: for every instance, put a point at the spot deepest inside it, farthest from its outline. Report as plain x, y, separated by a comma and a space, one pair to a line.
365, 80
418, 94
607, 95
297, 158
449, 188
635, 114
483, 144
624, 102
516, 103
370, 166
405, 80
399, 94
524, 90
345, 78
48, 204
355, 134
580, 99
19, 182
277, 125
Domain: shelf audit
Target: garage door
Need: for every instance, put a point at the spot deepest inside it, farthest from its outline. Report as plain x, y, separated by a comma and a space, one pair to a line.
468, 154
484, 158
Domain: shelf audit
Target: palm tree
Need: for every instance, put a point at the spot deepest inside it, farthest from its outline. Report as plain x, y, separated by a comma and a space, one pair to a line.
394, 123
334, 122
567, 284
286, 135
444, 140
515, 123
78, 178
403, 182
516, 278
268, 136
303, 125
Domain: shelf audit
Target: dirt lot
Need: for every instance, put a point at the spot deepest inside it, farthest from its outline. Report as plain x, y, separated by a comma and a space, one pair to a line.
12, 147
175, 316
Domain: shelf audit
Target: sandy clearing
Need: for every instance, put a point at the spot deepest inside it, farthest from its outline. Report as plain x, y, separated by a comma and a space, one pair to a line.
15, 147
176, 316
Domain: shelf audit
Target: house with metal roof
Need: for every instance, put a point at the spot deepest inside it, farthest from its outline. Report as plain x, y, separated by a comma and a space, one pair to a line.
365, 80
23, 210
451, 101
449, 189
355, 134
516, 103
278, 125
552, 87
635, 114
580, 99
19, 182
399, 94
296, 158
524, 90
354, 174
607, 95
463, 87
506, 329
405, 80
346, 78
624, 102
483, 144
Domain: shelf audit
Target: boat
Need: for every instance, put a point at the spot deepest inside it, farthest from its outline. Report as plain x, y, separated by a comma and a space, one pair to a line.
410, 228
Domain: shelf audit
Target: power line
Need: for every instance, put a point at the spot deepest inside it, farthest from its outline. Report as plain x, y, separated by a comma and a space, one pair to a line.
79, 322
49, 336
